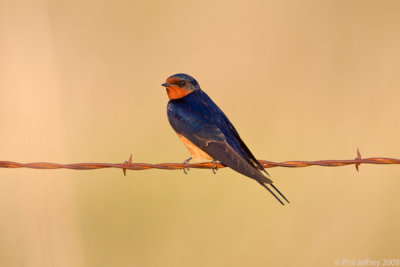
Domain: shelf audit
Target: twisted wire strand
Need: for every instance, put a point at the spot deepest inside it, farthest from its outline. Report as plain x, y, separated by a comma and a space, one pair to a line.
129, 165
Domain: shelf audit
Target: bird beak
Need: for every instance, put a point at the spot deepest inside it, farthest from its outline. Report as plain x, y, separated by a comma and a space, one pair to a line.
166, 84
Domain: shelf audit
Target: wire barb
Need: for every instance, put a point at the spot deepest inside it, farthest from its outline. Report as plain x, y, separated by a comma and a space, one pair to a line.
128, 164
358, 158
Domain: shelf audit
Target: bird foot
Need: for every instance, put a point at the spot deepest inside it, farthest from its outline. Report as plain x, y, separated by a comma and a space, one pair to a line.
185, 170
215, 168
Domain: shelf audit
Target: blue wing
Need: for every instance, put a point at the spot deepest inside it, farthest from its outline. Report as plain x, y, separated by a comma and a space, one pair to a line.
200, 120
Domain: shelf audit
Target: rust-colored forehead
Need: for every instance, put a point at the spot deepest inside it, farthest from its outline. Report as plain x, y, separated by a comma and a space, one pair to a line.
172, 80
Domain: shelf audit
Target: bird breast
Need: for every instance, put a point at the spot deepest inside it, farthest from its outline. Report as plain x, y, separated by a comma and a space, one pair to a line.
196, 152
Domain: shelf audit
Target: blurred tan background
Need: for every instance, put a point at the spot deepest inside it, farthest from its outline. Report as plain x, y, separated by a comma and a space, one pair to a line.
300, 80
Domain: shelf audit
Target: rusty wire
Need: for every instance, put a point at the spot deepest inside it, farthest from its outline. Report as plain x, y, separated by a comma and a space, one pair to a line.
129, 165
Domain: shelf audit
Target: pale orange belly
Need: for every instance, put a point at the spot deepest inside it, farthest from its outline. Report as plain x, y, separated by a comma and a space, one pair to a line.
196, 152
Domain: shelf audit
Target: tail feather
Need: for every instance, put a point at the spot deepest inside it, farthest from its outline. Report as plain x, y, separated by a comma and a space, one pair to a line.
269, 190
274, 187
279, 192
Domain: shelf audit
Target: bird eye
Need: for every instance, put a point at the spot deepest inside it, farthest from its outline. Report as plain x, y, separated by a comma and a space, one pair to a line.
180, 83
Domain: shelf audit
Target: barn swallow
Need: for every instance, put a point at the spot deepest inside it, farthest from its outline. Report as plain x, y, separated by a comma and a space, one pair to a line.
208, 133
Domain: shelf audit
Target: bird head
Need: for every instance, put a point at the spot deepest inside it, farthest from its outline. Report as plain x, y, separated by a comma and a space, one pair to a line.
180, 85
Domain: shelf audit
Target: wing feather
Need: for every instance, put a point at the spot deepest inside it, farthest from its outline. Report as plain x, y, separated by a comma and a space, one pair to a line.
200, 120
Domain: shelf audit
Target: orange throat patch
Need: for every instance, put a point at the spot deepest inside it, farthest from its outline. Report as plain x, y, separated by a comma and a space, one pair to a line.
196, 152
175, 92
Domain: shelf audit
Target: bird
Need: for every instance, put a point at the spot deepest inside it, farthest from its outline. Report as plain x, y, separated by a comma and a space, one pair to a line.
208, 133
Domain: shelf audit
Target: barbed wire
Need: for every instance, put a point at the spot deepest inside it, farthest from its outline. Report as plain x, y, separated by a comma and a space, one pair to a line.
129, 165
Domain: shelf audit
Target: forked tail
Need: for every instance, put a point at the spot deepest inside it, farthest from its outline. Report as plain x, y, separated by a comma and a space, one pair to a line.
272, 193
